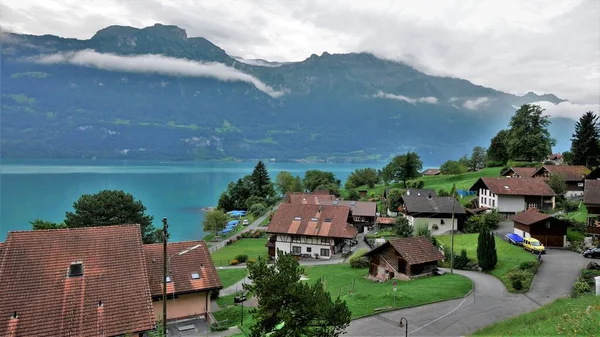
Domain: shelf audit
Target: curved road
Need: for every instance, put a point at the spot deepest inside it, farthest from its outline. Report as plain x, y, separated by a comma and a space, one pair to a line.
488, 303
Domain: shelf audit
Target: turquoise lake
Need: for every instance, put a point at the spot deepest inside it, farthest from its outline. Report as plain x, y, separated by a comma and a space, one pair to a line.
46, 189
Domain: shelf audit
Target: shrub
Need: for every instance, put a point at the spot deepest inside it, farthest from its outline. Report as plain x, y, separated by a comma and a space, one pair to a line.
580, 288
402, 228
234, 262
486, 249
358, 260
461, 261
434, 241
529, 265
257, 209
518, 277
241, 258
218, 327
422, 228
568, 206
251, 261
214, 294
517, 284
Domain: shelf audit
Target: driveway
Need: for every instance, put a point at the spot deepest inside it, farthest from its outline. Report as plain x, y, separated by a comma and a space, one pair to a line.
488, 303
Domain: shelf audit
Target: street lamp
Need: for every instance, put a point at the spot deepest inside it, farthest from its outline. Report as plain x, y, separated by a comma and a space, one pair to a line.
404, 324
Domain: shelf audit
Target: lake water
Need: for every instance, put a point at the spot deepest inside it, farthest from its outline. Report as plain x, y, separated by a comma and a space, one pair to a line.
46, 189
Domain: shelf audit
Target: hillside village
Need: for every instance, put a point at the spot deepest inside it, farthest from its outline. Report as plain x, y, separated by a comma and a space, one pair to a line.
389, 241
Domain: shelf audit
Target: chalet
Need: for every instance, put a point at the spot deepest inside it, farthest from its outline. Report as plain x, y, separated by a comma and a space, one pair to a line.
573, 175
311, 230
510, 196
422, 192
591, 199
403, 259
191, 278
431, 172
383, 222
88, 281
519, 172
550, 231
436, 212
556, 158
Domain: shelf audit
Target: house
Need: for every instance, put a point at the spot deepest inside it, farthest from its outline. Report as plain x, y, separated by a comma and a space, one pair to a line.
550, 231
403, 259
574, 175
311, 230
88, 281
510, 196
594, 174
309, 198
431, 172
423, 192
436, 212
191, 278
383, 222
519, 172
556, 158
591, 199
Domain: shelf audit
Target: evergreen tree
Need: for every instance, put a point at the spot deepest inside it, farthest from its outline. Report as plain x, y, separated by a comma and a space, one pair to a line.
486, 249
261, 182
528, 137
585, 144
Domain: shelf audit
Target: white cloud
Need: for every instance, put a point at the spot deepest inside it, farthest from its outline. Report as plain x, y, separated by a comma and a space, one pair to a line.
567, 109
453, 99
260, 63
428, 100
156, 64
474, 104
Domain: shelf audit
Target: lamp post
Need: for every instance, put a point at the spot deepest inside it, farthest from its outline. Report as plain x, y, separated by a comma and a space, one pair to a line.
404, 324
164, 294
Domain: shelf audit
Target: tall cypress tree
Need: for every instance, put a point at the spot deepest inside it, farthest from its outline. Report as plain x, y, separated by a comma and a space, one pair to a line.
585, 144
486, 249
261, 182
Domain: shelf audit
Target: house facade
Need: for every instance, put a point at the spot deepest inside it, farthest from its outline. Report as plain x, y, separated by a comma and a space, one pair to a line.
591, 199
310, 231
436, 212
403, 259
191, 278
550, 231
510, 196
574, 176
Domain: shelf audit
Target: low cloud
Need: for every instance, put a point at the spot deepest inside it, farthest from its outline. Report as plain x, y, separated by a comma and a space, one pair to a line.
567, 109
259, 63
428, 100
474, 104
156, 64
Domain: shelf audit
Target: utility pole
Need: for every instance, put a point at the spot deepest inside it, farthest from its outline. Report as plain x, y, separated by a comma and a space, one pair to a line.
452, 235
164, 295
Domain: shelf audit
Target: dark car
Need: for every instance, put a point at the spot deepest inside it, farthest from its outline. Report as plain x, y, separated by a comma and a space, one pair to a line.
592, 252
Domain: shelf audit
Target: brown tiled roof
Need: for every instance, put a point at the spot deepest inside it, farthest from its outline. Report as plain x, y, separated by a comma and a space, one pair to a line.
569, 172
530, 217
431, 172
524, 172
285, 221
386, 221
309, 198
359, 208
415, 250
591, 192
181, 267
512, 186
34, 282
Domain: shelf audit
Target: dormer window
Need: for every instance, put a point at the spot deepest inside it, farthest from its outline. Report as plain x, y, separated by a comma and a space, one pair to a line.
314, 219
327, 219
298, 218
76, 269
195, 276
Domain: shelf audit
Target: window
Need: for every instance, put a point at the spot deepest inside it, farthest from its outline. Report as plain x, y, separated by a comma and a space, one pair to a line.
297, 218
531, 205
327, 219
324, 252
76, 269
296, 250
579, 184
195, 276
309, 249
547, 224
314, 219
485, 200
441, 221
493, 203
168, 279
295, 238
324, 241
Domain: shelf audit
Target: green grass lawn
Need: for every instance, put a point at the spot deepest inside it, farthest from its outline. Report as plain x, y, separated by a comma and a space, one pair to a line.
231, 276
565, 316
231, 314
580, 214
369, 295
251, 247
509, 256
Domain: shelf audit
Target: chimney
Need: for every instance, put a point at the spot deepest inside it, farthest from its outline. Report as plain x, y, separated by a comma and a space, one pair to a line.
12, 325
316, 200
304, 201
100, 321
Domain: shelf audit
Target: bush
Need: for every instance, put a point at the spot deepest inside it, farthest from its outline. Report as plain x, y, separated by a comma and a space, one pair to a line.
461, 261
422, 228
257, 209
519, 277
241, 258
580, 288
218, 327
358, 260
214, 294
251, 261
234, 262
529, 265
568, 206
517, 284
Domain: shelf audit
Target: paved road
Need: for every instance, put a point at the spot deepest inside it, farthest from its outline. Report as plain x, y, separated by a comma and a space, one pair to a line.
488, 303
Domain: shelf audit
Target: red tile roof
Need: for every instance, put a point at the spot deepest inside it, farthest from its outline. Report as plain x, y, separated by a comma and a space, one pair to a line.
512, 186
523, 172
34, 282
591, 192
415, 250
359, 208
309, 198
386, 221
431, 172
530, 217
569, 172
300, 219
181, 267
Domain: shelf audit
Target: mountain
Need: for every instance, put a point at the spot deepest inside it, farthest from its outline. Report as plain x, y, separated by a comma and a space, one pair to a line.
157, 93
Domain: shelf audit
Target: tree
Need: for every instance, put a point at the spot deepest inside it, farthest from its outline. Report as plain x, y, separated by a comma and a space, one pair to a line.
304, 309
497, 153
422, 228
353, 195
315, 178
393, 199
284, 182
477, 158
487, 256
585, 144
214, 221
403, 168
364, 176
558, 184
112, 207
333, 189
236, 194
528, 137
261, 182
402, 228
568, 157
257, 209
42, 224
452, 167
297, 185
252, 200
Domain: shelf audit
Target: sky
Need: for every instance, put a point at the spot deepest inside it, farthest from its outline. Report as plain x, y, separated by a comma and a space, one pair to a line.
544, 46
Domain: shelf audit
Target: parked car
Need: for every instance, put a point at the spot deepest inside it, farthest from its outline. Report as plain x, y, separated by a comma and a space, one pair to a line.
245, 222
514, 239
534, 246
592, 253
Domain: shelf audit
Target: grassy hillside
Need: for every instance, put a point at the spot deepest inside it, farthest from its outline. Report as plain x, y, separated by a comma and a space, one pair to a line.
566, 317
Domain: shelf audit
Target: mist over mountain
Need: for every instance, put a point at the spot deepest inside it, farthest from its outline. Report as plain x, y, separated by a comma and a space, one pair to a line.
155, 93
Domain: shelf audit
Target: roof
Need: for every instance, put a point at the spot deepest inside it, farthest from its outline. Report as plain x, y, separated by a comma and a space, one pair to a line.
436, 205
33, 274
432, 172
555, 156
415, 250
524, 172
309, 198
424, 192
569, 172
359, 208
386, 221
181, 267
530, 217
300, 219
591, 192
511, 186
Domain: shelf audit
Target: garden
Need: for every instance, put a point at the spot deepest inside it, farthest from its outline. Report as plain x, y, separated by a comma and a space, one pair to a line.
241, 250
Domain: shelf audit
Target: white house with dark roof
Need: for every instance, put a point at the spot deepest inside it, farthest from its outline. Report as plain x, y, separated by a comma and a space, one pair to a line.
437, 212
510, 196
